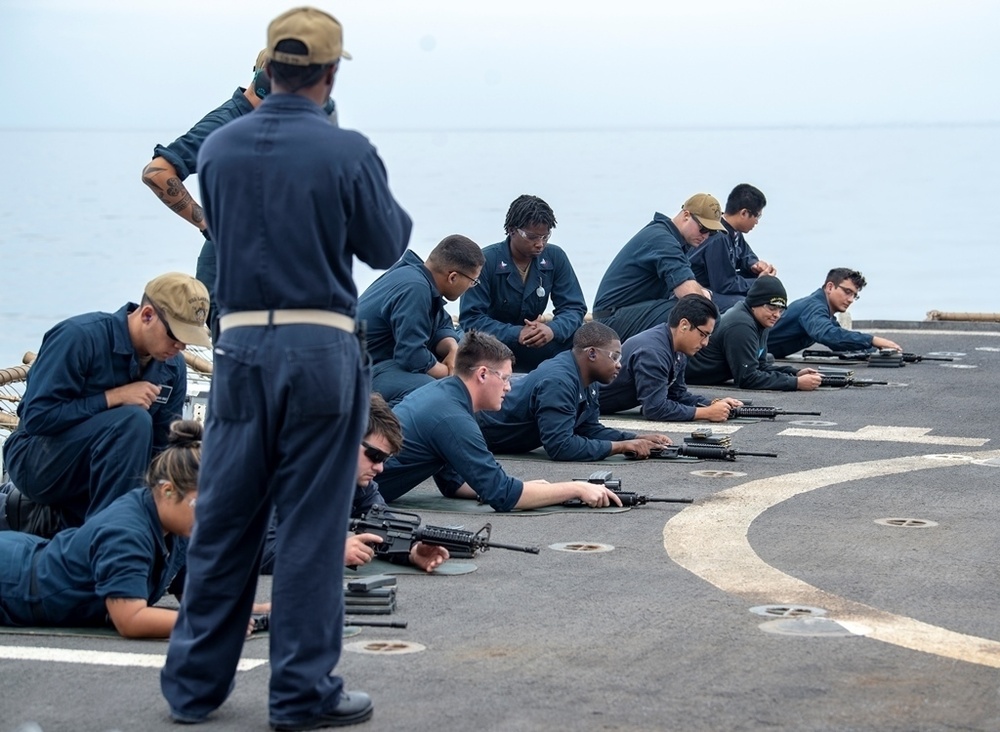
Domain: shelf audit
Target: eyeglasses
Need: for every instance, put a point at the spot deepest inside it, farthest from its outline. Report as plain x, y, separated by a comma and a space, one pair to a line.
473, 280
505, 378
753, 215
166, 325
704, 336
853, 294
774, 308
534, 237
374, 454
615, 356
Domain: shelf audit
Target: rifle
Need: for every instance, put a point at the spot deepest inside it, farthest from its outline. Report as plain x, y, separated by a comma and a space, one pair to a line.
628, 498
706, 452
399, 531
883, 356
841, 380
262, 622
761, 412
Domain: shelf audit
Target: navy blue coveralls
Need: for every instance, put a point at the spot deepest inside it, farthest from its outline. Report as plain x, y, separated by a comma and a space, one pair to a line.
723, 264
637, 290
738, 351
120, 552
502, 301
652, 376
442, 440
551, 408
808, 321
71, 451
182, 153
290, 199
405, 320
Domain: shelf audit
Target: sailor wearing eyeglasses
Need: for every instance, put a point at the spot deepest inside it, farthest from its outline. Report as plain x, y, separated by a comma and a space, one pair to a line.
411, 339
653, 365
556, 405
648, 275
737, 349
812, 319
522, 274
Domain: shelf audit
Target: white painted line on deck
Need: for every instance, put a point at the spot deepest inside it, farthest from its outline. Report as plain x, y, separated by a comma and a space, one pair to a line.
880, 433
101, 658
709, 539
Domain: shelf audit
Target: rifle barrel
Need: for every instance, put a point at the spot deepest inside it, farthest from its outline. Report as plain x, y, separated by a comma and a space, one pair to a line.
755, 454
514, 547
376, 623
668, 500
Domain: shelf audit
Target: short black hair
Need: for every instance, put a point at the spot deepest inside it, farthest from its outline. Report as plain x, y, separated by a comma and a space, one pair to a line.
456, 252
527, 211
293, 77
478, 349
745, 196
593, 334
695, 309
839, 274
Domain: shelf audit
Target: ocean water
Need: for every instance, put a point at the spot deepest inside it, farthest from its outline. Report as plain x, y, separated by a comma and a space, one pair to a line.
911, 207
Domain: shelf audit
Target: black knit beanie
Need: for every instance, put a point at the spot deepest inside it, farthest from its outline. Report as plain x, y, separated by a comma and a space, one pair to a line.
767, 290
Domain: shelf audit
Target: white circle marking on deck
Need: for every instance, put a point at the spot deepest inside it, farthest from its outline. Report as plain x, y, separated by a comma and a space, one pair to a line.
709, 539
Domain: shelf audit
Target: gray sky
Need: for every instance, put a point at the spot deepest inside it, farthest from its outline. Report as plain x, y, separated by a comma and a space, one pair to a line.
480, 64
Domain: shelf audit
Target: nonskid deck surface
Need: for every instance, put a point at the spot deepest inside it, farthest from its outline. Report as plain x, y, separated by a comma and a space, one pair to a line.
848, 584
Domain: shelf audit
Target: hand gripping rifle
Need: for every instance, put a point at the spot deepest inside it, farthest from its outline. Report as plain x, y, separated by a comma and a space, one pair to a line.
761, 412
399, 531
628, 499
881, 357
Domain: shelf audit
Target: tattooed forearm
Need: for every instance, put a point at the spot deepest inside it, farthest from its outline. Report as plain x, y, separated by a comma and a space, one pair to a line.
197, 213
183, 203
149, 176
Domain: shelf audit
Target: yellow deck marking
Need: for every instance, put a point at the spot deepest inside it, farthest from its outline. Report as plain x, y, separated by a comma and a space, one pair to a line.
710, 540
880, 433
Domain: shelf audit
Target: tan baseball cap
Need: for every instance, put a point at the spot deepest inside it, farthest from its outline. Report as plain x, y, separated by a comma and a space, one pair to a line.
183, 303
319, 32
261, 60
706, 210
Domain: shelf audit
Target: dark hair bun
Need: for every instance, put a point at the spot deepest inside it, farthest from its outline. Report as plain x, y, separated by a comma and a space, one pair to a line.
185, 433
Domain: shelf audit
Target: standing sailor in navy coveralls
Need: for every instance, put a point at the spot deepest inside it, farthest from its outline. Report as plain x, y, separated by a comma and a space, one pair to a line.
520, 275
289, 199
99, 402
172, 164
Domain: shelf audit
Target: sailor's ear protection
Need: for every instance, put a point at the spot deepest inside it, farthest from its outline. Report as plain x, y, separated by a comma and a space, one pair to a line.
592, 355
261, 83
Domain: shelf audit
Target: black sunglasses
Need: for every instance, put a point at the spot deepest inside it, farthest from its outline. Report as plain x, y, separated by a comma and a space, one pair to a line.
166, 325
374, 454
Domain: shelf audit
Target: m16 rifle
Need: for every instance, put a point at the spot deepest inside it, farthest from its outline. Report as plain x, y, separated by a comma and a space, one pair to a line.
400, 530
705, 452
841, 379
628, 499
883, 357
747, 411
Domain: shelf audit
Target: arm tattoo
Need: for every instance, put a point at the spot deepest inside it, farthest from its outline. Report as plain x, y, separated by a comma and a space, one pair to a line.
182, 204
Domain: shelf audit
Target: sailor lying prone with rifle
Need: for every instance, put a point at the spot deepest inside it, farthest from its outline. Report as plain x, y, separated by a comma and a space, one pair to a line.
383, 438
